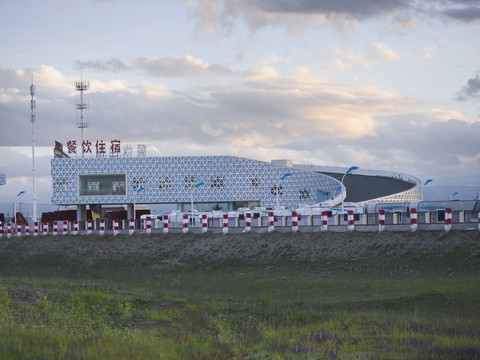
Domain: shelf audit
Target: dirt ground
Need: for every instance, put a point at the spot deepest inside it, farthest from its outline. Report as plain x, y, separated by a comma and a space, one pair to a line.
453, 250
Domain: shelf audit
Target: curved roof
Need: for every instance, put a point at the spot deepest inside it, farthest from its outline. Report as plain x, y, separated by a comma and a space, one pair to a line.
366, 187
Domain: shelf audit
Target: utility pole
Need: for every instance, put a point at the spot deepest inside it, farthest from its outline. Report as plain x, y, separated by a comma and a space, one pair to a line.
33, 119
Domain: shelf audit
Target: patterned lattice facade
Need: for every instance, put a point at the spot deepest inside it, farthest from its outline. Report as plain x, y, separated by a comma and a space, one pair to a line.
412, 195
176, 179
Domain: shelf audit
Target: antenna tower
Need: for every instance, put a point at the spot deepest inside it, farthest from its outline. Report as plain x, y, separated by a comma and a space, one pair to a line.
81, 87
33, 119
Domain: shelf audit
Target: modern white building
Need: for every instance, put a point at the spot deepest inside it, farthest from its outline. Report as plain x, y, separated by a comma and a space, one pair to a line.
210, 182
221, 182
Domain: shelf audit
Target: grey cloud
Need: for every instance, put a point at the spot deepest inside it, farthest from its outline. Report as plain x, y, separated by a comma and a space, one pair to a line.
167, 66
423, 148
18, 168
470, 90
441, 142
465, 15
174, 66
216, 17
112, 65
16, 164
354, 8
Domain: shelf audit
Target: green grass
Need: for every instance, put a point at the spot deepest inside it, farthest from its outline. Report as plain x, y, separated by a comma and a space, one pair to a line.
54, 308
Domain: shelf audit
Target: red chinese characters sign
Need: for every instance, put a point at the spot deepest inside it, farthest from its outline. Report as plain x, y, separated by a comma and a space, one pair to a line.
100, 147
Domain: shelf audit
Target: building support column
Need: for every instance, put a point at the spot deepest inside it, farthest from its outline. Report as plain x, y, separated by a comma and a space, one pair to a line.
130, 212
81, 213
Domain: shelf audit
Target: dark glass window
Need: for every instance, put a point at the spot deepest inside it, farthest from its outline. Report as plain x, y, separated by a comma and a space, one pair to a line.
91, 185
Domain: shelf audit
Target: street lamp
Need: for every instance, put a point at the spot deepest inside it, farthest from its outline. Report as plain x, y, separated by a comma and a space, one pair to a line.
191, 210
343, 177
426, 182
15, 206
278, 188
338, 188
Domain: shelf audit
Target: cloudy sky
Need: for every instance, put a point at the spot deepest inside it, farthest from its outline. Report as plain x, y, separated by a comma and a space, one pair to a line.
380, 84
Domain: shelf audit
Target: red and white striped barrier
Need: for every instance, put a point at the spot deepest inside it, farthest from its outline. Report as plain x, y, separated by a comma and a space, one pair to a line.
115, 227
75, 228
148, 228
101, 231
165, 224
448, 219
351, 222
324, 221
185, 224
65, 227
225, 224
413, 219
9, 230
1, 229
248, 222
45, 228
55, 228
19, 230
271, 222
89, 226
131, 226
294, 221
381, 220
36, 228
27, 229
204, 223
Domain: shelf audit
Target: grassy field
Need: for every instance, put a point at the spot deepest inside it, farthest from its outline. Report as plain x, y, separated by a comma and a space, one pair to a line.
256, 296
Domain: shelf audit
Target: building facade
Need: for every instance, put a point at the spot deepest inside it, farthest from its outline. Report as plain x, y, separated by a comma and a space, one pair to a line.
211, 182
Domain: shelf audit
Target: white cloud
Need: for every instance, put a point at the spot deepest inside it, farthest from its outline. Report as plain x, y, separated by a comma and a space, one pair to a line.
366, 57
381, 52
260, 114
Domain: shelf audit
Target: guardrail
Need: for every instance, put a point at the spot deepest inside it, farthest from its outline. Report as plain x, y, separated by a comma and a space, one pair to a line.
267, 222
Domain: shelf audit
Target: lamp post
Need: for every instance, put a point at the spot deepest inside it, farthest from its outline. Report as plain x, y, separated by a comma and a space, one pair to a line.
426, 182
343, 177
278, 188
338, 188
15, 206
191, 210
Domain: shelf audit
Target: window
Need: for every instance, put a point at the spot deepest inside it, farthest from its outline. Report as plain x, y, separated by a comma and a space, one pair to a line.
190, 182
217, 181
304, 194
277, 190
90, 185
138, 183
256, 182
59, 185
164, 183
